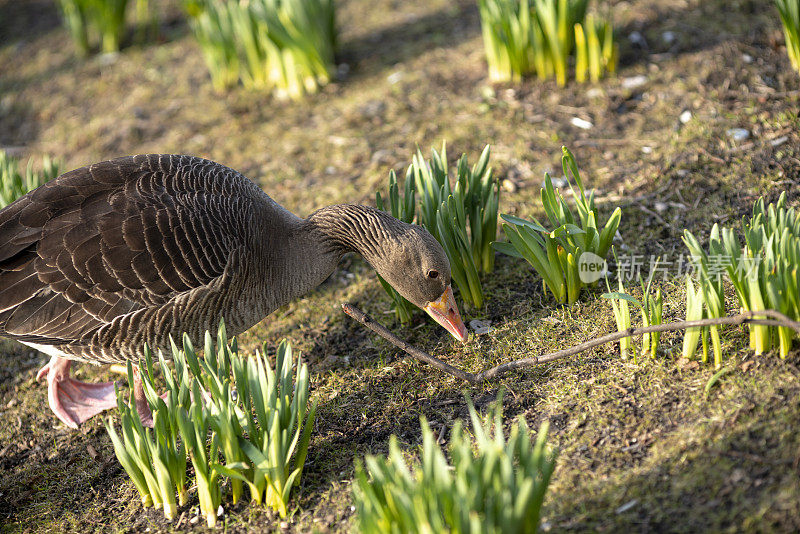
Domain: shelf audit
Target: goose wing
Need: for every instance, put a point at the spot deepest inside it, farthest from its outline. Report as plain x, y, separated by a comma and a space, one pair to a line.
113, 238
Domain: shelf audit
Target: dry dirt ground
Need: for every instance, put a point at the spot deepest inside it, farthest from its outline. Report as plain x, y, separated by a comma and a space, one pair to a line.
642, 448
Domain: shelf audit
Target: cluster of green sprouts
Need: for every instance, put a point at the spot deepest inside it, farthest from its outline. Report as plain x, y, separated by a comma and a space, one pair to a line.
282, 46
496, 485
102, 23
790, 17
539, 36
764, 273
595, 50
462, 217
555, 254
14, 184
222, 406
651, 308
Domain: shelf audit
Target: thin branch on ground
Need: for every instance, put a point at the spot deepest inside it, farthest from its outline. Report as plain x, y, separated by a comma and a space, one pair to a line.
773, 318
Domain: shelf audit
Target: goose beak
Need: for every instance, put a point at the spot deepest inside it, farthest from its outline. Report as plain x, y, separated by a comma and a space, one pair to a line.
445, 312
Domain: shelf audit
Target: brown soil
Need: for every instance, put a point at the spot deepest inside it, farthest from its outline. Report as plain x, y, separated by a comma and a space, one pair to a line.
642, 448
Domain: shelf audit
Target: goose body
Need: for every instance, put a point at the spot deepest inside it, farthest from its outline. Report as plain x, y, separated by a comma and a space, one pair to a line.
106, 258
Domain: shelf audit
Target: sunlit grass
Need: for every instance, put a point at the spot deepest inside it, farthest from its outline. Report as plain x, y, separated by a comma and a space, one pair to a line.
281, 46
14, 183
498, 486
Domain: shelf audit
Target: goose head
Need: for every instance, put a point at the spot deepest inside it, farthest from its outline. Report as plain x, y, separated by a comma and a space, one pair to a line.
415, 264
407, 256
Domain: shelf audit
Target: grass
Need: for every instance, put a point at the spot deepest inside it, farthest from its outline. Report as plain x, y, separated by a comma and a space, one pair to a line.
540, 36
281, 46
641, 434
14, 183
790, 18
257, 416
573, 253
499, 487
90, 21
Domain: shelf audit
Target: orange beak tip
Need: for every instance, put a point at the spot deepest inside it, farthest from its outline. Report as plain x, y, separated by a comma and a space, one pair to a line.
445, 312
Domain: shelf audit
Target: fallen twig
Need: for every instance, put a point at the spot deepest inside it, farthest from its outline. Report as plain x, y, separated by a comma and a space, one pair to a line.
774, 318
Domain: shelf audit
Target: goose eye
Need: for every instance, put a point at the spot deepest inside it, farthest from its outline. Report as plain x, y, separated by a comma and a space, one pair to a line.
433, 274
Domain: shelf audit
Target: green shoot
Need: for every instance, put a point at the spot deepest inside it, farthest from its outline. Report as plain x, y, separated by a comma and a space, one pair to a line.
650, 307
282, 46
694, 312
257, 416
790, 17
14, 184
556, 255
764, 272
520, 39
496, 485
595, 50
86, 19
274, 407
710, 270
462, 218
622, 315
507, 29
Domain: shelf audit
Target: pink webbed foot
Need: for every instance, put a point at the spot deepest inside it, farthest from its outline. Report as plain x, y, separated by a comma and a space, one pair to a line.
142, 406
71, 400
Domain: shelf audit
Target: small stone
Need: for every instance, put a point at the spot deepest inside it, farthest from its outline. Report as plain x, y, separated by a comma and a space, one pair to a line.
395, 77
509, 186
480, 327
738, 134
669, 37
108, 58
747, 58
332, 139
373, 108
580, 123
779, 141
736, 476
647, 150
633, 82
220, 511
194, 520
685, 117
682, 173
661, 207
382, 156
488, 92
637, 38
627, 506
595, 92
284, 525
330, 169
342, 70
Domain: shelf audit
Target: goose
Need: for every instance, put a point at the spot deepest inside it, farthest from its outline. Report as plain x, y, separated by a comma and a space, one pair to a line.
108, 257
